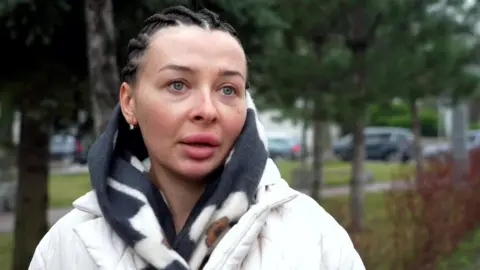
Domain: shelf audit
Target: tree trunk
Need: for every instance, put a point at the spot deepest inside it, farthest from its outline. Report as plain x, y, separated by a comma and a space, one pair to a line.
359, 38
317, 165
459, 144
7, 112
32, 194
304, 144
327, 137
417, 139
474, 110
357, 184
7, 149
103, 70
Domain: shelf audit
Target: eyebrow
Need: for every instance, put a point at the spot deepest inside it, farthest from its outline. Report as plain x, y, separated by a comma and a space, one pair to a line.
223, 72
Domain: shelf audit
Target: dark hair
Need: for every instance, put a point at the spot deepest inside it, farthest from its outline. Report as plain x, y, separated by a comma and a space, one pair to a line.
173, 16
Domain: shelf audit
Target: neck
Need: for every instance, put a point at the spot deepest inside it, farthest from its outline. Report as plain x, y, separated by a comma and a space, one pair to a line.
181, 194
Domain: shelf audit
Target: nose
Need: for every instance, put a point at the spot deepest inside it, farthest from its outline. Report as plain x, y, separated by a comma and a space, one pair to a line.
205, 110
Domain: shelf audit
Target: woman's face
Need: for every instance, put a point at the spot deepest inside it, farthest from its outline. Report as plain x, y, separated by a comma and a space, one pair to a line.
190, 91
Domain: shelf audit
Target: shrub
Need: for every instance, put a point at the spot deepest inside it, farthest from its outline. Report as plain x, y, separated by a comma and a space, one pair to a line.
431, 218
475, 125
399, 115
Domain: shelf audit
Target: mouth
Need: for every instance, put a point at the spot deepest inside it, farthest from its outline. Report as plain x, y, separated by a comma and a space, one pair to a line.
203, 139
199, 151
200, 144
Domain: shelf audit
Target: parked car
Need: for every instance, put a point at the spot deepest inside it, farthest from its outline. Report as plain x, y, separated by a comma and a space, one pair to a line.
62, 147
473, 141
284, 147
436, 149
473, 138
8, 191
68, 147
381, 143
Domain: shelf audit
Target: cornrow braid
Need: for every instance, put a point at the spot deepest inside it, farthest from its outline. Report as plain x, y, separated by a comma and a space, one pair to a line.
173, 16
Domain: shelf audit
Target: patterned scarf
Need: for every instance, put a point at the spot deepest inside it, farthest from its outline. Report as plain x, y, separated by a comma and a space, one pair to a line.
138, 213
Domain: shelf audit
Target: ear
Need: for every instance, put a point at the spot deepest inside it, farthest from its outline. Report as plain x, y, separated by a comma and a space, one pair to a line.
127, 102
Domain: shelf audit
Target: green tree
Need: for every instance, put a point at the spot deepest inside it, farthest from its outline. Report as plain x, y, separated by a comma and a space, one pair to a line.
40, 62
304, 63
360, 33
425, 51
380, 51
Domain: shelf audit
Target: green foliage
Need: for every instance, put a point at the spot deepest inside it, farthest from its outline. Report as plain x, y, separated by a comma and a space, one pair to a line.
429, 57
465, 255
399, 115
297, 49
303, 64
47, 39
475, 125
40, 36
416, 50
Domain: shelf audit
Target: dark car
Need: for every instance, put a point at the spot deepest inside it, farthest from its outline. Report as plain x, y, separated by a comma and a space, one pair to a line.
381, 143
284, 147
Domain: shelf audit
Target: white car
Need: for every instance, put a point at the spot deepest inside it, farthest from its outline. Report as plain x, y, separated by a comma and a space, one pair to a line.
473, 140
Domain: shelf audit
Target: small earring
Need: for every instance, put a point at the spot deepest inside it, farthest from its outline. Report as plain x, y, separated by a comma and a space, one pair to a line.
132, 127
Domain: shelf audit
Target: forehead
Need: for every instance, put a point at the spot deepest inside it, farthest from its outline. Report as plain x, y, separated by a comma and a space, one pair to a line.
196, 47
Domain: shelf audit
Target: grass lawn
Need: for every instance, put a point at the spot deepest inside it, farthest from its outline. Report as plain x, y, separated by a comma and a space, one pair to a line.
372, 244
64, 189
338, 172
466, 256
5, 250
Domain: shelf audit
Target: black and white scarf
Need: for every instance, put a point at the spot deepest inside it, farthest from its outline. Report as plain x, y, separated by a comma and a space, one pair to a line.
136, 210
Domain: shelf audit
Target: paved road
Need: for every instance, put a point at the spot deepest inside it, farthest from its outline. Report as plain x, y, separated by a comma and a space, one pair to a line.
7, 220
73, 169
373, 187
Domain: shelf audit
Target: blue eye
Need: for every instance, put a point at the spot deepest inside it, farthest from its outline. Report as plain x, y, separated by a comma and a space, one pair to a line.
178, 86
228, 91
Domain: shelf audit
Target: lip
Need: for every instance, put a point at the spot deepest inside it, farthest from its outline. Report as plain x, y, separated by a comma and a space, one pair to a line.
202, 138
200, 146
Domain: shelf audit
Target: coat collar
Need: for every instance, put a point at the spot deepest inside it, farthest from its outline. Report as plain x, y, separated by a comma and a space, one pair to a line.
272, 193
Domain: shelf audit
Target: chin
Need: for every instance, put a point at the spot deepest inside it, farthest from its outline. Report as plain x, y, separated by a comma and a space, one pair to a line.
196, 169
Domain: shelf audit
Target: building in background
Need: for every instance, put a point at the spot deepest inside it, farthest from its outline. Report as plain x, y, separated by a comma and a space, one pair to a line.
290, 128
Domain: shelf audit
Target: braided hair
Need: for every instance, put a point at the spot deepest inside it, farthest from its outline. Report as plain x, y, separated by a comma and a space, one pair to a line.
173, 16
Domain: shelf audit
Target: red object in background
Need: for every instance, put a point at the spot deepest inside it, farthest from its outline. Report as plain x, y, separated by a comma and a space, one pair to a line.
78, 146
296, 148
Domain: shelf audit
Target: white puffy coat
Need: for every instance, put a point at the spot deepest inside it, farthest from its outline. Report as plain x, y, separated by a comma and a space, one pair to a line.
283, 230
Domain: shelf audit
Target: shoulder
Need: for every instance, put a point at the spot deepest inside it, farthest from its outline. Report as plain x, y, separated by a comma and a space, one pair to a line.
305, 217
82, 212
65, 225
61, 246
302, 227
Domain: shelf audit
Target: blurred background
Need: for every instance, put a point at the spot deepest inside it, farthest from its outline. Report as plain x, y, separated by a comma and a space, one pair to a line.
372, 108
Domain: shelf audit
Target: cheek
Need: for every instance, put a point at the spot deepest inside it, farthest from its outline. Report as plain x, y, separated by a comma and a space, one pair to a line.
157, 120
234, 121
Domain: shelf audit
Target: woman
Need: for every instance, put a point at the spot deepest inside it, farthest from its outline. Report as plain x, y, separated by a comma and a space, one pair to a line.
181, 176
